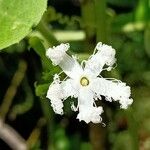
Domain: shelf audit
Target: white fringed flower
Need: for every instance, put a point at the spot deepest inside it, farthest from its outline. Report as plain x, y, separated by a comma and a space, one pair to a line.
85, 82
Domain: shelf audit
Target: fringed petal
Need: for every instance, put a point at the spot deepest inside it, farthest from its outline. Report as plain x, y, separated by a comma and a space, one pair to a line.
58, 92
69, 89
57, 53
71, 66
68, 64
55, 94
87, 112
113, 90
90, 114
105, 55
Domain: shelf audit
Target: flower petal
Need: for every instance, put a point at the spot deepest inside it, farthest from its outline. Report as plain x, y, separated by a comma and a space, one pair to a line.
105, 55
70, 66
113, 90
55, 94
90, 114
57, 53
87, 112
69, 89
58, 92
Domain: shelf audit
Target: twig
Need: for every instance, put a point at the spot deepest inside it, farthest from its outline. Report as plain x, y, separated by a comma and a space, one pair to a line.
35, 134
12, 89
11, 137
25, 106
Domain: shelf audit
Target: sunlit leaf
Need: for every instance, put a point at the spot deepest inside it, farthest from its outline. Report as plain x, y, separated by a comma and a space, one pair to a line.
142, 11
17, 18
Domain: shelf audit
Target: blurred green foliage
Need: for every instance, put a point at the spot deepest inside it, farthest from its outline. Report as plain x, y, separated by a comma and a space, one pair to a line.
123, 24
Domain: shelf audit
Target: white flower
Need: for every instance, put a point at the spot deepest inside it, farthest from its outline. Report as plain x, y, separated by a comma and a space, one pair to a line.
85, 83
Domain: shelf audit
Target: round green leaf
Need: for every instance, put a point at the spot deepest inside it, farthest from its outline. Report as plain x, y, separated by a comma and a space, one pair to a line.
17, 18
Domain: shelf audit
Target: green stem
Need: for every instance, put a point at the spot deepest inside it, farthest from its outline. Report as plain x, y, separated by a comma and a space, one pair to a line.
101, 24
94, 19
88, 23
45, 31
12, 89
97, 132
50, 123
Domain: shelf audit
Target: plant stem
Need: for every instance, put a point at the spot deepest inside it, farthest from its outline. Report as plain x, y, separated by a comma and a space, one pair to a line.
45, 31
88, 23
94, 18
12, 89
101, 24
50, 123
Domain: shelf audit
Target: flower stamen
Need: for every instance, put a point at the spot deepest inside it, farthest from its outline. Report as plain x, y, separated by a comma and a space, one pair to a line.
84, 81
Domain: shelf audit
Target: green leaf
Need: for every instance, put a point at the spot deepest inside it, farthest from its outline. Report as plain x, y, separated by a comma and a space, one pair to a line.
39, 48
17, 18
41, 89
142, 11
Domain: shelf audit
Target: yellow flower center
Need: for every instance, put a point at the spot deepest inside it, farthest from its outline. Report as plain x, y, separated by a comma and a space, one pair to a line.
84, 81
